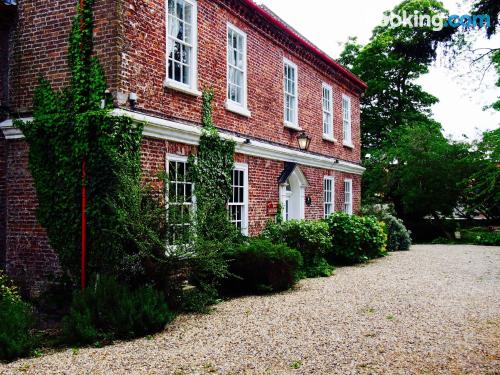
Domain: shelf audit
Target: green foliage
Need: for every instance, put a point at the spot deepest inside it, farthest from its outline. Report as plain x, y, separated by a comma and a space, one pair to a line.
398, 237
109, 310
482, 187
199, 299
212, 170
480, 236
16, 321
68, 127
259, 266
355, 239
310, 238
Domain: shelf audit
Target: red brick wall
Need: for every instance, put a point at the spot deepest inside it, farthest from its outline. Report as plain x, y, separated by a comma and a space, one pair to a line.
144, 67
3, 207
30, 260
39, 45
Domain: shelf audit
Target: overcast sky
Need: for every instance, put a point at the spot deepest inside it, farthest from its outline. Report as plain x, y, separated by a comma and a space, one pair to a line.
329, 23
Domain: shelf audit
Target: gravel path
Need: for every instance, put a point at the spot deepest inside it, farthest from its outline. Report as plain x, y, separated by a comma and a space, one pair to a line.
434, 309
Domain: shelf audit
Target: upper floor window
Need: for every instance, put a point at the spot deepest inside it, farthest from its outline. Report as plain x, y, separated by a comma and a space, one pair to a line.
346, 118
327, 112
181, 45
238, 203
329, 191
348, 196
290, 92
236, 69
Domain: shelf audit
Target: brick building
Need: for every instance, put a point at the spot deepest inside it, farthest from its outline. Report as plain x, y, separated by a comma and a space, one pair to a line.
271, 86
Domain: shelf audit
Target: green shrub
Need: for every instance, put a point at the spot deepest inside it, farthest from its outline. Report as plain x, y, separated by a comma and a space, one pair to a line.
110, 310
311, 238
398, 237
355, 239
481, 237
16, 322
259, 266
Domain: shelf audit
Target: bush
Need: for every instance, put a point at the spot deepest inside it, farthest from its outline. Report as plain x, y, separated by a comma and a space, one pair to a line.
311, 238
110, 311
16, 321
398, 237
355, 239
481, 237
259, 266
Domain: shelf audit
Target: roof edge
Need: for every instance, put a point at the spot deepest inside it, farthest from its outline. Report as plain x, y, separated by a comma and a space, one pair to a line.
305, 43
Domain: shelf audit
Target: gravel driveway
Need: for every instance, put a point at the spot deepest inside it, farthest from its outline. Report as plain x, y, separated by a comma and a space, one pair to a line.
434, 309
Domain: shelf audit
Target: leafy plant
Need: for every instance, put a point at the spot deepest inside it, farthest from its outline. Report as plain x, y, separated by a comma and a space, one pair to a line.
311, 238
398, 237
259, 266
16, 322
481, 236
355, 239
109, 310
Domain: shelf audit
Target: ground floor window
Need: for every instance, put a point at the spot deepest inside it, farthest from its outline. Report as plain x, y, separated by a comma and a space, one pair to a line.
348, 196
328, 189
179, 199
238, 203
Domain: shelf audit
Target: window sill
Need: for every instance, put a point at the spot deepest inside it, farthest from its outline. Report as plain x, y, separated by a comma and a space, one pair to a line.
173, 85
329, 138
238, 109
291, 126
348, 145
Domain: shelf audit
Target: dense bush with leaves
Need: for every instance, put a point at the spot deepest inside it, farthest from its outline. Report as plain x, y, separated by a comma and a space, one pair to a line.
311, 238
259, 266
355, 238
398, 237
16, 322
481, 236
108, 310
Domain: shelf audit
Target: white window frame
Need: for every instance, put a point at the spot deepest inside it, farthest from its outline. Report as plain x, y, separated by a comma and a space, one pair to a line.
347, 121
177, 159
244, 215
291, 124
331, 202
348, 201
239, 108
192, 88
327, 135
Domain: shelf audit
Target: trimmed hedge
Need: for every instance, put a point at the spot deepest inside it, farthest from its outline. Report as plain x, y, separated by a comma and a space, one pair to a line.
311, 238
110, 311
481, 236
259, 266
355, 238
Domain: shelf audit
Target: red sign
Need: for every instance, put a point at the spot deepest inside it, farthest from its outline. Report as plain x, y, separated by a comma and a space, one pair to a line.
272, 208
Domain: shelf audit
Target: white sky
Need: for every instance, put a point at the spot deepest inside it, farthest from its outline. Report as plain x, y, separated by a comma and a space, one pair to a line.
329, 23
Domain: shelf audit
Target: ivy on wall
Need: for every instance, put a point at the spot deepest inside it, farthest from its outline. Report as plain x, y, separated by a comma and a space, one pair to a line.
69, 126
212, 170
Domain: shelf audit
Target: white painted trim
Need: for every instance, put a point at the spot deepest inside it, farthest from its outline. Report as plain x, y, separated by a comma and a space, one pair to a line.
332, 179
241, 108
236, 108
244, 167
191, 89
288, 124
347, 138
349, 180
158, 128
327, 136
11, 132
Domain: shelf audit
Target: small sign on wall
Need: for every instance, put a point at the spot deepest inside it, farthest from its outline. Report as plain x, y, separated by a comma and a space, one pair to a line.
308, 200
272, 208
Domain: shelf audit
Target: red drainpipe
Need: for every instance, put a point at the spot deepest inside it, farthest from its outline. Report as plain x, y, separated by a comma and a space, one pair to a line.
84, 191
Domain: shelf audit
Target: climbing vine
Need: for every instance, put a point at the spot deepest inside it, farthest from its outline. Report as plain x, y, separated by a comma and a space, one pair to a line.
71, 125
212, 170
